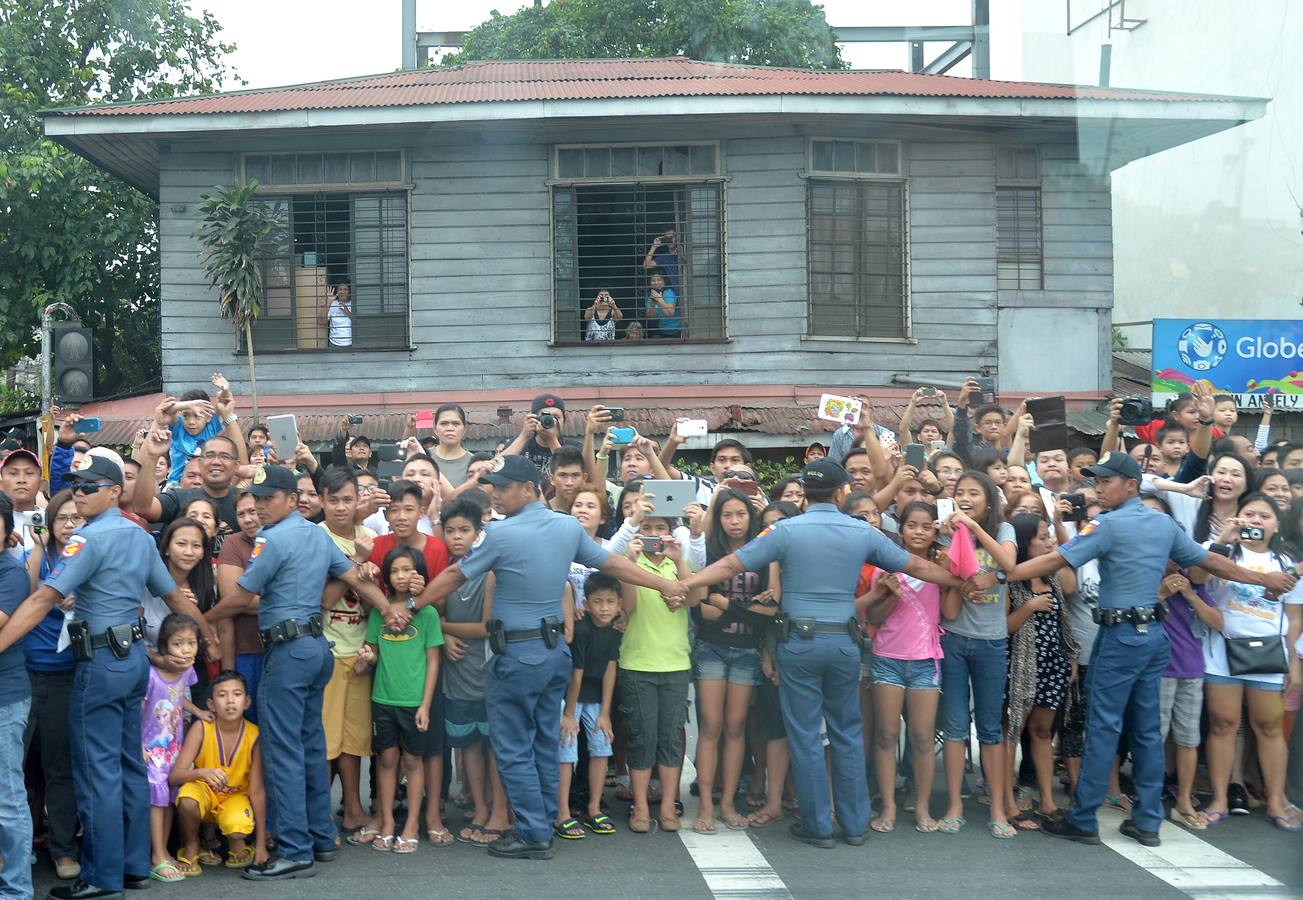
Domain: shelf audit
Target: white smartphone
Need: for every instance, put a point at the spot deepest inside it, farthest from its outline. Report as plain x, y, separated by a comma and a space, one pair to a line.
945, 509
669, 497
284, 434
693, 428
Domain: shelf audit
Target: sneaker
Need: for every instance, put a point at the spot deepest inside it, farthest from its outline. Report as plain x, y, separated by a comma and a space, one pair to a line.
1237, 800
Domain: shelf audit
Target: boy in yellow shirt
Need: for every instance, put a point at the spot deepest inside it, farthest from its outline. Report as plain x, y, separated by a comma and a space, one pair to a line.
219, 773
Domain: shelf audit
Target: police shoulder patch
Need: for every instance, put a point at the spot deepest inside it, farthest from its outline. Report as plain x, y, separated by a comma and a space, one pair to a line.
1089, 527
258, 544
74, 545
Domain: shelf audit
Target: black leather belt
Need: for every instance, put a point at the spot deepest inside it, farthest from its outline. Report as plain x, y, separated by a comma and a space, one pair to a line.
808, 628
1139, 616
105, 638
290, 629
528, 634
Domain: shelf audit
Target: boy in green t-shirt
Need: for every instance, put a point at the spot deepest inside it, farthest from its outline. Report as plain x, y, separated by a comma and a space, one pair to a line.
407, 669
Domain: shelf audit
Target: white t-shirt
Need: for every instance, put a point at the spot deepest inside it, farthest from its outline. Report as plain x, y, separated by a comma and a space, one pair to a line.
1247, 612
341, 325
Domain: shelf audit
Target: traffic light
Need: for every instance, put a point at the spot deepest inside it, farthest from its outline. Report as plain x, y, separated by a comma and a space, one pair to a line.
74, 364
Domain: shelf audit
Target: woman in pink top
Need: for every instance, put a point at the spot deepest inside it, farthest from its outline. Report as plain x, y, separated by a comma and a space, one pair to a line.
907, 668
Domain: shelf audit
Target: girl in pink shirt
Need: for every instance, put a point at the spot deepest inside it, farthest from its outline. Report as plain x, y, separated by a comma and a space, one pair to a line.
907, 668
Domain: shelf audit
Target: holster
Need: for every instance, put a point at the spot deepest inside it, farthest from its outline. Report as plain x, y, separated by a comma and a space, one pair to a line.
120, 638
854, 626
782, 627
801, 627
79, 635
497, 637
551, 631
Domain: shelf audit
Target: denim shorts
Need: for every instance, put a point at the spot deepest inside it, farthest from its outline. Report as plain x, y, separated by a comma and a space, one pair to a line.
1255, 684
910, 674
594, 737
984, 664
716, 662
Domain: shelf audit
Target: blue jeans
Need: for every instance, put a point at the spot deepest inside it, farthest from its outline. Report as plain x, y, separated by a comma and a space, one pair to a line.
820, 676
527, 687
1126, 673
15, 817
717, 662
250, 666
984, 663
294, 745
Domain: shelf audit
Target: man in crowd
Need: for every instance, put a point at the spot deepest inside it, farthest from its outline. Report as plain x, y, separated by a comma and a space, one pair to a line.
219, 457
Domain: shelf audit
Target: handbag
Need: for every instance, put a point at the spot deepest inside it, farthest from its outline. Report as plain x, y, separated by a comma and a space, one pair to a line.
1246, 656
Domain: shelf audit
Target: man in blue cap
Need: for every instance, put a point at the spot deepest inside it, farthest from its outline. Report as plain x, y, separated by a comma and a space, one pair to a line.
291, 561
1132, 544
107, 566
821, 553
529, 553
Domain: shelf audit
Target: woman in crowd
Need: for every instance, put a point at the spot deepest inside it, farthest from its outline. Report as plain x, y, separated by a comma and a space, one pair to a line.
1274, 484
602, 317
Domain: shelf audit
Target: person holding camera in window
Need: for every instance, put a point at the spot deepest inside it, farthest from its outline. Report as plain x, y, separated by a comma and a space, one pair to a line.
601, 318
662, 309
663, 255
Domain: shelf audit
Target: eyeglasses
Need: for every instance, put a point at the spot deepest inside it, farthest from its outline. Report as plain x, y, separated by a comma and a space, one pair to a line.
212, 456
90, 488
68, 520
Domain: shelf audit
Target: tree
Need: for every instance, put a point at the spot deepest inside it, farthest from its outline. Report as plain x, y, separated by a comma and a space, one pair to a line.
70, 232
234, 232
756, 32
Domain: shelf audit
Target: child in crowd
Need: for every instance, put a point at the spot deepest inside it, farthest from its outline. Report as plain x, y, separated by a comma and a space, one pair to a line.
463, 615
594, 650
220, 778
171, 674
656, 670
191, 421
403, 700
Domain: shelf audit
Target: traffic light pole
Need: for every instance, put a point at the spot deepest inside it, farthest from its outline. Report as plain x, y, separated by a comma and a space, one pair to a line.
47, 373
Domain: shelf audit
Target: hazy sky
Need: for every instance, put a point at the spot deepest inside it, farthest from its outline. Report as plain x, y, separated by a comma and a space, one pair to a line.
294, 41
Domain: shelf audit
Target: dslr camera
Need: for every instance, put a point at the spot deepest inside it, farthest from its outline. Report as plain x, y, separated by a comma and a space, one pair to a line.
547, 421
1137, 411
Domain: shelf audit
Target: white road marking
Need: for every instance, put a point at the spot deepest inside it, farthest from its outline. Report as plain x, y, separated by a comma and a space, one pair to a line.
1192, 866
731, 864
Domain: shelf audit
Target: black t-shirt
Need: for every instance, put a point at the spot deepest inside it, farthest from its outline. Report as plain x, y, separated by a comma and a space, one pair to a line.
174, 502
593, 649
542, 456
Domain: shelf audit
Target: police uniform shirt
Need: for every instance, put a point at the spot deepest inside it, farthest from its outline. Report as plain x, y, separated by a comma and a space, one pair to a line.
1132, 544
821, 552
530, 555
109, 564
289, 566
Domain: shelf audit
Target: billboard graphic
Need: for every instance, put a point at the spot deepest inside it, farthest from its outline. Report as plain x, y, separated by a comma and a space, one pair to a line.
1247, 358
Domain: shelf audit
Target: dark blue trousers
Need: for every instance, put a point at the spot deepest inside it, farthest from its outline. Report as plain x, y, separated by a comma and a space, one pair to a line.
819, 677
527, 688
1122, 686
293, 742
108, 766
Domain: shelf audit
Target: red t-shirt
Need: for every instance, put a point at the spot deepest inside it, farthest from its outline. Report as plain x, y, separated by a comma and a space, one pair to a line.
435, 553
1149, 433
867, 573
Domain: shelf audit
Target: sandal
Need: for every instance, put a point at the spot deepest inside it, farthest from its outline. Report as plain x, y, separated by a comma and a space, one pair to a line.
1118, 801
951, 826
187, 867
241, 859
762, 819
208, 858
1025, 821
928, 826
736, 822
404, 845
599, 824
704, 826
1195, 821
883, 825
383, 842
639, 825
1286, 822
158, 872
436, 837
570, 830
670, 823
474, 828
1001, 831
362, 837
1213, 818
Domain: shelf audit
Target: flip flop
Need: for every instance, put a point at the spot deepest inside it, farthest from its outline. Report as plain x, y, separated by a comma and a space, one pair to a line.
383, 842
436, 837
1285, 823
1001, 831
1025, 821
208, 858
599, 824
951, 826
362, 837
240, 860
1194, 821
703, 826
403, 845
737, 822
187, 867
1214, 818
156, 872
882, 825
474, 828
930, 827
764, 819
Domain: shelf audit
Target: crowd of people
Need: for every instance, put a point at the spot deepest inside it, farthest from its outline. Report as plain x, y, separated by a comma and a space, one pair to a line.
294, 617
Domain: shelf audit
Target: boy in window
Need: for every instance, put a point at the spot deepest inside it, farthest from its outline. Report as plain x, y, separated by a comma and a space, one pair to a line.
338, 315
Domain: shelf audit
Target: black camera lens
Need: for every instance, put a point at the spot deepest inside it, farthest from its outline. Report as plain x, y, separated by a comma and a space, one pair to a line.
547, 420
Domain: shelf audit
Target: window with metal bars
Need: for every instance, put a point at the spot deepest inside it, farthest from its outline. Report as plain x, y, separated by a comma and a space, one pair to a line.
328, 248
656, 248
1019, 247
857, 258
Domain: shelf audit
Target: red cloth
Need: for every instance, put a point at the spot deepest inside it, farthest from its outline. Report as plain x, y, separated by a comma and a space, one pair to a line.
963, 559
435, 553
1149, 433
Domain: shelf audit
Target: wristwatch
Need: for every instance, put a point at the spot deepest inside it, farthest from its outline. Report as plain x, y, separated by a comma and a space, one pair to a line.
411, 604
1001, 576
1205, 421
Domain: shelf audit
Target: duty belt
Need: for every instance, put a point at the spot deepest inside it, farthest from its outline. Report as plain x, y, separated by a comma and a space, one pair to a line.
290, 629
116, 638
550, 631
1139, 616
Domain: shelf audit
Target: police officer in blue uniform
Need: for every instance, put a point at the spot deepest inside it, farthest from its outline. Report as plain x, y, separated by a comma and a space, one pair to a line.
292, 560
530, 552
108, 565
821, 553
1132, 544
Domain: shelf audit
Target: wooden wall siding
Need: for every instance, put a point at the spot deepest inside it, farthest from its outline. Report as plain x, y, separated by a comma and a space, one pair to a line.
481, 270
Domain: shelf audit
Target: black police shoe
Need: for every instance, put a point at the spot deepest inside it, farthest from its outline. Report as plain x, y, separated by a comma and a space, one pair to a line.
278, 869
1131, 830
1062, 828
80, 890
324, 855
513, 846
135, 882
801, 833
854, 840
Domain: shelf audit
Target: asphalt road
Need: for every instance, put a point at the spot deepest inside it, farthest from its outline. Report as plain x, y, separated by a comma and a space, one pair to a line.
768, 863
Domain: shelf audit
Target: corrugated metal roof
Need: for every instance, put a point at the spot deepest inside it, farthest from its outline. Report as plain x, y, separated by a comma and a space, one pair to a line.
493, 81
